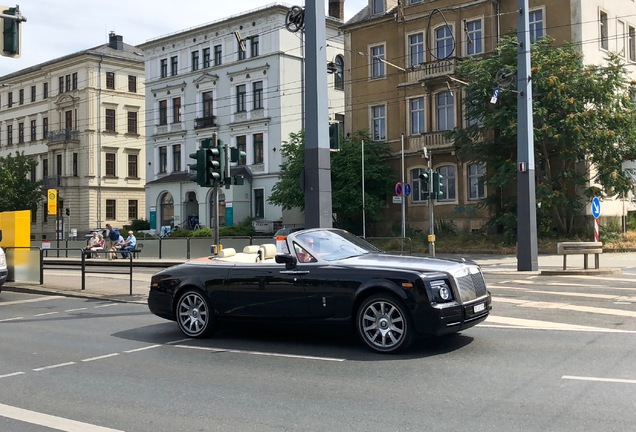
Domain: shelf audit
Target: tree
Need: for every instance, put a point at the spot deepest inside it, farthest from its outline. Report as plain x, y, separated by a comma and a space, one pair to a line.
17, 191
584, 126
346, 174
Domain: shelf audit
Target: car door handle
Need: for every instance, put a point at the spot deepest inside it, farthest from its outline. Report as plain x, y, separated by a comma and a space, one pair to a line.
295, 272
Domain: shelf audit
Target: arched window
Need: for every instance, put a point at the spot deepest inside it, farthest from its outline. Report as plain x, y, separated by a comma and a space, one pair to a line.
338, 78
448, 180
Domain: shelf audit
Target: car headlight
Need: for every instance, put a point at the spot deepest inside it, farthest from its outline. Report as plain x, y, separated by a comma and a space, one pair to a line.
440, 291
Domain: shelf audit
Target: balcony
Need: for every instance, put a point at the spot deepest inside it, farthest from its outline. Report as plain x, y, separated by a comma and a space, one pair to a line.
436, 139
62, 136
51, 182
205, 122
430, 70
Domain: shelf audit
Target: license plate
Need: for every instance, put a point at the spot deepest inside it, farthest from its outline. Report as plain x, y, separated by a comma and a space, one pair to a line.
480, 307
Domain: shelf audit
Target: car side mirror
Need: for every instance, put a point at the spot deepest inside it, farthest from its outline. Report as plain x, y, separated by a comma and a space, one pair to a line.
287, 259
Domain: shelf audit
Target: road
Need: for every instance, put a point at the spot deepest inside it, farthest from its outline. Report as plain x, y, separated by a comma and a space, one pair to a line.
557, 354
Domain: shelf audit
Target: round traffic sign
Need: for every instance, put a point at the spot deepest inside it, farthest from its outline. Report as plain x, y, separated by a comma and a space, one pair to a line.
407, 189
398, 188
596, 207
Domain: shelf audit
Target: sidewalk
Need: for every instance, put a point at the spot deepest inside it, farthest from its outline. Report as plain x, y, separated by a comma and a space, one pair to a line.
116, 287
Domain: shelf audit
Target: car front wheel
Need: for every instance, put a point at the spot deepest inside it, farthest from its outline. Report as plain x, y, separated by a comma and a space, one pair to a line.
194, 315
383, 324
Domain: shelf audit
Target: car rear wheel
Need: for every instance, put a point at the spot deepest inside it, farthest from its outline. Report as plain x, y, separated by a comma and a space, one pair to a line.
194, 315
383, 324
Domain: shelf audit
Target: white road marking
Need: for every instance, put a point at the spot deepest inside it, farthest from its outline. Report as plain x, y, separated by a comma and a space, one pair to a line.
294, 356
566, 306
45, 314
37, 299
142, 348
11, 319
100, 357
611, 380
105, 305
50, 421
75, 310
519, 323
54, 366
12, 374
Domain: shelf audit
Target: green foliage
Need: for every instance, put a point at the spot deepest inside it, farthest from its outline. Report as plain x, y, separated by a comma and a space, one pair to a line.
444, 226
138, 225
245, 228
346, 187
611, 230
17, 191
584, 116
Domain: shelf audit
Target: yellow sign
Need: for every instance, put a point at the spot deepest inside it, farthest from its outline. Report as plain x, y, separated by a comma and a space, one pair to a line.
52, 201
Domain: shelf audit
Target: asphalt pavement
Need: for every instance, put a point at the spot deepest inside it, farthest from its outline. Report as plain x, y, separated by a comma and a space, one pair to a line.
119, 286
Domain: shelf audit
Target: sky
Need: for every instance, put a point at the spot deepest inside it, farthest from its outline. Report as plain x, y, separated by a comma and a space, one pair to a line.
56, 28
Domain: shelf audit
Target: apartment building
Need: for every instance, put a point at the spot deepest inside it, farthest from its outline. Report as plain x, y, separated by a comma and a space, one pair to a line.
242, 79
401, 57
81, 118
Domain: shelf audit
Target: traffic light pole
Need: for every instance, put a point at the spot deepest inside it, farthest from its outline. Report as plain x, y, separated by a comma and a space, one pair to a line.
431, 211
215, 195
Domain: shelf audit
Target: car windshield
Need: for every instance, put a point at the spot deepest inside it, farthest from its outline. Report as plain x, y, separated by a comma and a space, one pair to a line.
336, 245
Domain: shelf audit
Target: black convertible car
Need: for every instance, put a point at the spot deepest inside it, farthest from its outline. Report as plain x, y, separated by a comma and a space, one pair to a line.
326, 275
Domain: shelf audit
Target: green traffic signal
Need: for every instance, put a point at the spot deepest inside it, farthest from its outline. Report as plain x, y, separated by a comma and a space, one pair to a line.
438, 186
197, 169
236, 155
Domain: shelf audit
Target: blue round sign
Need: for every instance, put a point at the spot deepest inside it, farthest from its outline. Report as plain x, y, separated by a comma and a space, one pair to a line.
407, 189
596, 207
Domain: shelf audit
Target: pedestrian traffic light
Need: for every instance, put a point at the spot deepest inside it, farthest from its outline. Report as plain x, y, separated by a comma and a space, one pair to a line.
10, 32
68, 212
438, 186
197, 169
236, 155
424, 185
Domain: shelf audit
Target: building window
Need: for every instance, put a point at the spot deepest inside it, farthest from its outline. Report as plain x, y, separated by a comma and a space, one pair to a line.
444, 44
111, 210
195, 60
164, 68
74, 78
45, 90
132, 122
163, 112
241, 145
378, 121
133, 209
58, 165
68, 83
254, 46
9, 135
10, 99
259, 204
68, 116
110, 120
258, 148
476, 175
241, 52
45, 127
378, 6
416, 107
21, 96
535, 21
176, 110
174, 65
32, 93
33, 130
163, 159
45, 168
110, 80
603, 30
218, 55
631, 43
61, 84
415, 1
620, 38
132, 83
207, 104
416, 49
445, 105
240, 98
206, 57
75, 164
132, 166
257, 91
474, 37
338, 77
21, 133
418, 192
176, 158
377, 66
448, 183
110, 164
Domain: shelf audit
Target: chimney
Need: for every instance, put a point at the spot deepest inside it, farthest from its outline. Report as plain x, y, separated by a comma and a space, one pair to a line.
115, 42
336, 9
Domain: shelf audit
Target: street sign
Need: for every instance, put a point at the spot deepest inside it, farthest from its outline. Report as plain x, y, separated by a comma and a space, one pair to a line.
596, 207
397, 200
398, 188
407, 189
495, 96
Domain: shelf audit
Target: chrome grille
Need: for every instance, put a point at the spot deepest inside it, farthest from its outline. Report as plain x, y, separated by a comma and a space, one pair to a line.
471, 286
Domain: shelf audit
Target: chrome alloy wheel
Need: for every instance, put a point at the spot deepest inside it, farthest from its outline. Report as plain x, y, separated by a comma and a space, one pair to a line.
383, 324
193, 314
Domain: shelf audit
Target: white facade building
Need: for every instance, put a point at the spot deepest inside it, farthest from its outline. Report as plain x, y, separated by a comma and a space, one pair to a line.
199, 83
81, 118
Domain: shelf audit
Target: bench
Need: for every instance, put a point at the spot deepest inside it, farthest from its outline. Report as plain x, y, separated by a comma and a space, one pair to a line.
580, 248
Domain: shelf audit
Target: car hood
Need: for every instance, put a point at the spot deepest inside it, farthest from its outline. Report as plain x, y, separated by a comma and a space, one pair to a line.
406, 262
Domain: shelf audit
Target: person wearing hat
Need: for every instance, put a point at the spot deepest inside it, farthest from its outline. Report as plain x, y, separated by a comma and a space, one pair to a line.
129, 244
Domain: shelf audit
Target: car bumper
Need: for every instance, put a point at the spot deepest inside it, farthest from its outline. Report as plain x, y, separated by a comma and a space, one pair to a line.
452, 318
160, 304
3, 276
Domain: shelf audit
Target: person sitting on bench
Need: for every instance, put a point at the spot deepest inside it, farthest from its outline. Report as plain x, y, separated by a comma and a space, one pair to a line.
129, 244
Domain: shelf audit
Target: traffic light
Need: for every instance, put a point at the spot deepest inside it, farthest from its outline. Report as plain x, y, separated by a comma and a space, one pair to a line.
10, 33
197, 169
68, 212
424, 185
236, 155
215, 165
438, 186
